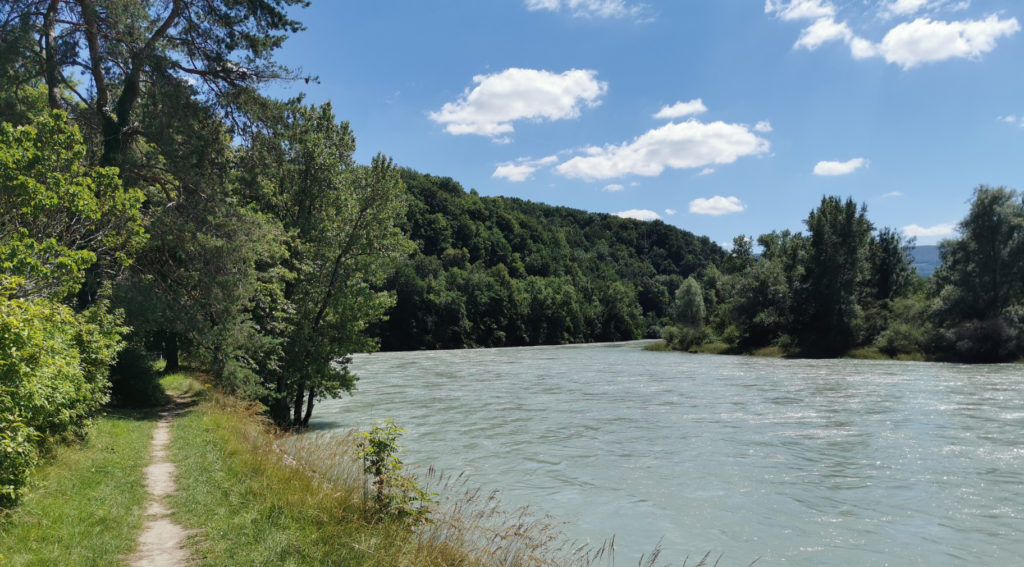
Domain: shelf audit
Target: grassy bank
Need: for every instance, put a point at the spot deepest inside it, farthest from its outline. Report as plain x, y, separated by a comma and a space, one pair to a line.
250, 504
86, 503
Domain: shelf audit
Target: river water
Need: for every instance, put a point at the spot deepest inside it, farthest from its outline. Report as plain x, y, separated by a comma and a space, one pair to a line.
798, 462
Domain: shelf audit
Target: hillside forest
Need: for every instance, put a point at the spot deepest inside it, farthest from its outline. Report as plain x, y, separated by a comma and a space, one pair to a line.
155, 205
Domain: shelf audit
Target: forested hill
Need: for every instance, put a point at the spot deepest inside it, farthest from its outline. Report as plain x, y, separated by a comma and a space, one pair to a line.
496, 271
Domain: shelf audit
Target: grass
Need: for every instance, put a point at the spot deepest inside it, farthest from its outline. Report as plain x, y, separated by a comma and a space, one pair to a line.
86, 504
184, 384
250, 504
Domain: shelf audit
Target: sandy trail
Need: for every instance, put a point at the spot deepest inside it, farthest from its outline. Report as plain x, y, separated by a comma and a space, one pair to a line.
162, 542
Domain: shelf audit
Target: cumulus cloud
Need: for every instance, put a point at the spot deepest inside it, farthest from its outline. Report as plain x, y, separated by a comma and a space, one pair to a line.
908, 44
823, 31
716, 206
499, 99
521, 169
591, 8
638, 214
945, 229
839, 167
924, 40
613, 187
763, 126
681, 109
683, 145
905, 7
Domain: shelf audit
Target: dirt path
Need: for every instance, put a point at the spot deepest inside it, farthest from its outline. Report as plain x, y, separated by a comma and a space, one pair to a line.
162, 543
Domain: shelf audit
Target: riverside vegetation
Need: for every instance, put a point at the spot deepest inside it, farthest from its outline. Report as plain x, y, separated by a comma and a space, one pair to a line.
846, 289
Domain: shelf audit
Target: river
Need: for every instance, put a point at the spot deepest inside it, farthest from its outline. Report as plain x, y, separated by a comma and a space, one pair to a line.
795, 462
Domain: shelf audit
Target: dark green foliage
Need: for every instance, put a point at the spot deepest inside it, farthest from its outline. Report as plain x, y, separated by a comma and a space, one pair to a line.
836, 270
134, 383
981, 280
495, 271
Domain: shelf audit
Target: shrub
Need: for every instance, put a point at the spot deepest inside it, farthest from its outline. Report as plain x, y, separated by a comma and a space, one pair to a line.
395, 494
52, 379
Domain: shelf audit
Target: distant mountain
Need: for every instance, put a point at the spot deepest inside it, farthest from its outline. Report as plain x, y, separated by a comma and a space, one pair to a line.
926, 259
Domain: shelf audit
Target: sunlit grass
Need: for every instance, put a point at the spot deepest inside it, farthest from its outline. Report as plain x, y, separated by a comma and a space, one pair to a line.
85, 506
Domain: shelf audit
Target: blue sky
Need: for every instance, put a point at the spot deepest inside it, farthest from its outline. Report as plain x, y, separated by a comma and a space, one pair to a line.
722, 117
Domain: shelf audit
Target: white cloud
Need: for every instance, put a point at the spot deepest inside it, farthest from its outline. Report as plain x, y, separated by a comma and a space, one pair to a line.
716, 206
1009, 119
519, 94
681, 109
892, 194
763, 126
521, 169
905, 7
516, 173
684, 145
670, 212
706, 171
839, 167
591, 8
908, 44
945, 229
800, 9
925, 40
638, 214
823, 31
613, 187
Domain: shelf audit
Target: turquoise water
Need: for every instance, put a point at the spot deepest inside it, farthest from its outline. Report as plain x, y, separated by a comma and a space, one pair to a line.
823, 462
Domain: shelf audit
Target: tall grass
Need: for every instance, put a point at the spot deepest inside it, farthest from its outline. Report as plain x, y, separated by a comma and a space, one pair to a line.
256, 497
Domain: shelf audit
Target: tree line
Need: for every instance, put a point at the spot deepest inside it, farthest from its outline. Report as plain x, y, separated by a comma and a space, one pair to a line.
497, 271
845, 285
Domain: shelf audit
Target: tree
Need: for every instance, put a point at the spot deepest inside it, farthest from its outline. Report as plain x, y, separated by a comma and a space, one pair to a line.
984, 267
688, 307
341, 220
981, 279
836, 267
58, 216
222, 48
890, 264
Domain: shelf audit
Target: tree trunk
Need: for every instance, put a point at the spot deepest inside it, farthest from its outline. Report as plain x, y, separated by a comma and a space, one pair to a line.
50, 47
297, 408
309, 408
170, 344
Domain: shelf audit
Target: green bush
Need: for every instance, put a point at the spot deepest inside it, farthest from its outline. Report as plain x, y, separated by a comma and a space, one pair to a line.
395, 493
52, 379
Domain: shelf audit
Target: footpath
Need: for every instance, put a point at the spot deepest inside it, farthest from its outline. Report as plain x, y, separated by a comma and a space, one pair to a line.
162, 542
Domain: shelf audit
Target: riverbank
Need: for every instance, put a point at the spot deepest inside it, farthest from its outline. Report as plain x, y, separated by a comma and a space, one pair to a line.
244, 500
862, 353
